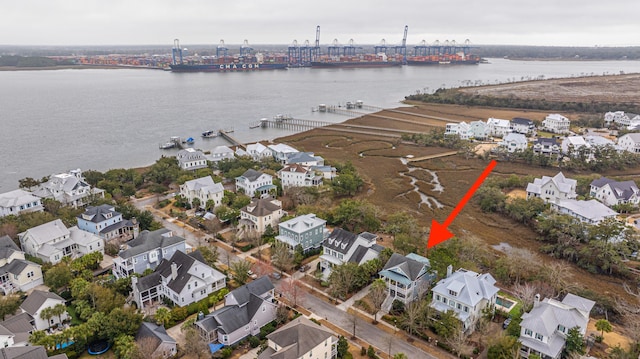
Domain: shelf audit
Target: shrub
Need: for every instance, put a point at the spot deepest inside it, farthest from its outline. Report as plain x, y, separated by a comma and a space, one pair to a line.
363, 351
371, 353
254, 341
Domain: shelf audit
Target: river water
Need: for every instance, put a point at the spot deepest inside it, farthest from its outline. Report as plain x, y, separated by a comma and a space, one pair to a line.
53, 121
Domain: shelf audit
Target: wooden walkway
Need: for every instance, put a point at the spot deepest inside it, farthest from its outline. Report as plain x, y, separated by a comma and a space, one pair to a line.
429, 157
224, 134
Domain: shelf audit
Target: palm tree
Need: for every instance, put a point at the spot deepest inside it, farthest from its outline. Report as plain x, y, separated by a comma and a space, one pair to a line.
163, 316
47, 314
58, 310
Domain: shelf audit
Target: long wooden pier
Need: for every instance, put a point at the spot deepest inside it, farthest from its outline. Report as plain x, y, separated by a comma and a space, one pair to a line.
295, 124
225, 134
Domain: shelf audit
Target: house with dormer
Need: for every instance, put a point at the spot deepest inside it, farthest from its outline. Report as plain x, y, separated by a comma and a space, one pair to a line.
70, 189
630, 142
160, 343
182, 279
191, 159
301, 338
255, 183
478, 130
280, 151
612, 193
465, 292
260, 213
545, 146
577, 147
258, 151
543, 331
461, 129
204, 189
307, 231
52, 241
523, 125
246, 310
304, 159
551, 189
37, 302
17, 273
19, 201
146, 251
342, 246
295, 175
556, 123
498, 127
220, 153
407, 277
105, 222
514, 142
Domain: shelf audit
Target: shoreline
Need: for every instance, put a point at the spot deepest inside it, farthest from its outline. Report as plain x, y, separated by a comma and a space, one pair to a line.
76, 67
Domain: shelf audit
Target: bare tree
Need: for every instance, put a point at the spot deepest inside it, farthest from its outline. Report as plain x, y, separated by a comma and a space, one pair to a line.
145, 349
293, 291
412, 318
558, 276
377, 294
194, 345
526, 294
353, 320
458, 342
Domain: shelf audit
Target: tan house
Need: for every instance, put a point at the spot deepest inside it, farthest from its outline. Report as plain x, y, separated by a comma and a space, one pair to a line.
260, 213
16, 273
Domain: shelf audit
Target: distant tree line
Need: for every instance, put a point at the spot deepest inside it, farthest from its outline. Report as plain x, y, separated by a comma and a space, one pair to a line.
558, 52
27, 61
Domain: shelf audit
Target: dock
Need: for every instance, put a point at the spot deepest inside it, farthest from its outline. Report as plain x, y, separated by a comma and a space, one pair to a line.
225, 134
295, 124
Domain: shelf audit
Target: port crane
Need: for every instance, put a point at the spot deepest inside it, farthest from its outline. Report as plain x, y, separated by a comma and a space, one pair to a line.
245, 49
334, 48
221, 49
350, 49
382, 47
402, 49
176, 51
316, 49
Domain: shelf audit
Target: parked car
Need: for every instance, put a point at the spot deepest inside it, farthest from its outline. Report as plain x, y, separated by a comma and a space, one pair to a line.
251, 274
276, 275
506, 323
304, 268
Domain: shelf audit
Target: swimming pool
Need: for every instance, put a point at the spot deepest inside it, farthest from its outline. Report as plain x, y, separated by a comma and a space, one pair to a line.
505, 303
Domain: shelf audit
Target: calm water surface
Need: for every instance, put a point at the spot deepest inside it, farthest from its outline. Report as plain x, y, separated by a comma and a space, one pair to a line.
52, 121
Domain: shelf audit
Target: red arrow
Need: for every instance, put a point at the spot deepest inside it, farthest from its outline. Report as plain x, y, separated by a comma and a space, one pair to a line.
439, 232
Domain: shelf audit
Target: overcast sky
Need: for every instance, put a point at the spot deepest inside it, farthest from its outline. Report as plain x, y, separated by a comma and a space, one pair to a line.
157, 22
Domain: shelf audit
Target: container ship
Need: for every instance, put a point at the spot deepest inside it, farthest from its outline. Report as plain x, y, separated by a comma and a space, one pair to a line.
365, 60
443, 59
257, 62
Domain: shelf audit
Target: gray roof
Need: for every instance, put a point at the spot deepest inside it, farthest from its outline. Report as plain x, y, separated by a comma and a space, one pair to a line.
155, 332
470, 286
98, 214
16, 198
28, 352
16, 266
183, 262
20, 325
261, 207
635, 137
591, 209
48, 231
340, 240
258, 287
147, 241
36, 299
521, 121
297, 338
7, 247
622, 190
205, 183
299, 157
546, 141
5, 331
251, 174
410, 267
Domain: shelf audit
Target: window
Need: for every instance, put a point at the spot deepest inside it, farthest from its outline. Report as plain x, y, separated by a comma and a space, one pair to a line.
437, 297
561, 328
539, 336
528, 332
451, 303
466, 309
459, 306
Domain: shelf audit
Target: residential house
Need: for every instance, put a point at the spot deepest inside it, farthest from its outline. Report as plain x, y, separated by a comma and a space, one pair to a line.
16, 273
327, 172
462, 129
478, 130
553, 188
254, 183
546, 146
260, 213
465, 292
28, 352
220, 153
304, 159
599, 141
621, 119
6, 337
630, 142
19, 201
52, 241
191, 159
342, 246
258, 151
21, 326
204, 189
544, 329
301, 338
498, 127
183, 279
70, 189
613, 193
576, 146
247, 309
280, 151
37, 302
307, 231
590, 212
556, 123
407, 277
523, 125
154, 337
105, 222
295, 175
146, 251
514, 142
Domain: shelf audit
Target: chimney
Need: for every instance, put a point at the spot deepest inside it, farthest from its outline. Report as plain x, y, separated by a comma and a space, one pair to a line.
174, 271
449, 270
134, 280
536, 300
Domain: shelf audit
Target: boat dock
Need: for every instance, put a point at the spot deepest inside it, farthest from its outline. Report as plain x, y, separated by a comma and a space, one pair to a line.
225, 134
296, 124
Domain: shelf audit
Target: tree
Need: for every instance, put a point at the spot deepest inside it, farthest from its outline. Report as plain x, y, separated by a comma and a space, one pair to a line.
293, 291
281, 256
162, 316
210, 254
400, 356
342, 279
603, 325
240, 270
412, 317
8, 305
194, 345
124, 346
377, 294
574, 342
458, 342
343, 346
57, 311
144, 348
58, 276
353, 320
447, 325
46, 314
505, 347
28, 183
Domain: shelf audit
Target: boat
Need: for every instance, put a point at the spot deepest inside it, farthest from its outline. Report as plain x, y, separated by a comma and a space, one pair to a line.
210, 134
167, 145
189, 141
357, 61
257, 62
255, 125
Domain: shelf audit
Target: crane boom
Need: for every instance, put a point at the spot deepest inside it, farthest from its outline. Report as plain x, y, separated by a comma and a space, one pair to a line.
404, 39
317, 36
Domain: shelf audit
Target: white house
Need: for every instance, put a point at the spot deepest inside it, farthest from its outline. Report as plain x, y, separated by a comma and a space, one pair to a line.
163, 345
590, 212
462, 129
498, 127
191, 159
69, 189
280, 151
407, 278
630, 142
52, 241
37, 302
220, 153
146, 251
553, 188
204, 189
556, 123
183, 279
523, 125
17, 273
574, 146
295, 175
613, 193
304, 159
258, 151
254, 183
544, 329
301, 338
260, 213
620, 118
466, 293
343, 247
19, 201
514, 142
18, 327
6, 337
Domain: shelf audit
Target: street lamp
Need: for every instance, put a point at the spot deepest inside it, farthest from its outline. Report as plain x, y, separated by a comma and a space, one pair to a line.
395, 328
